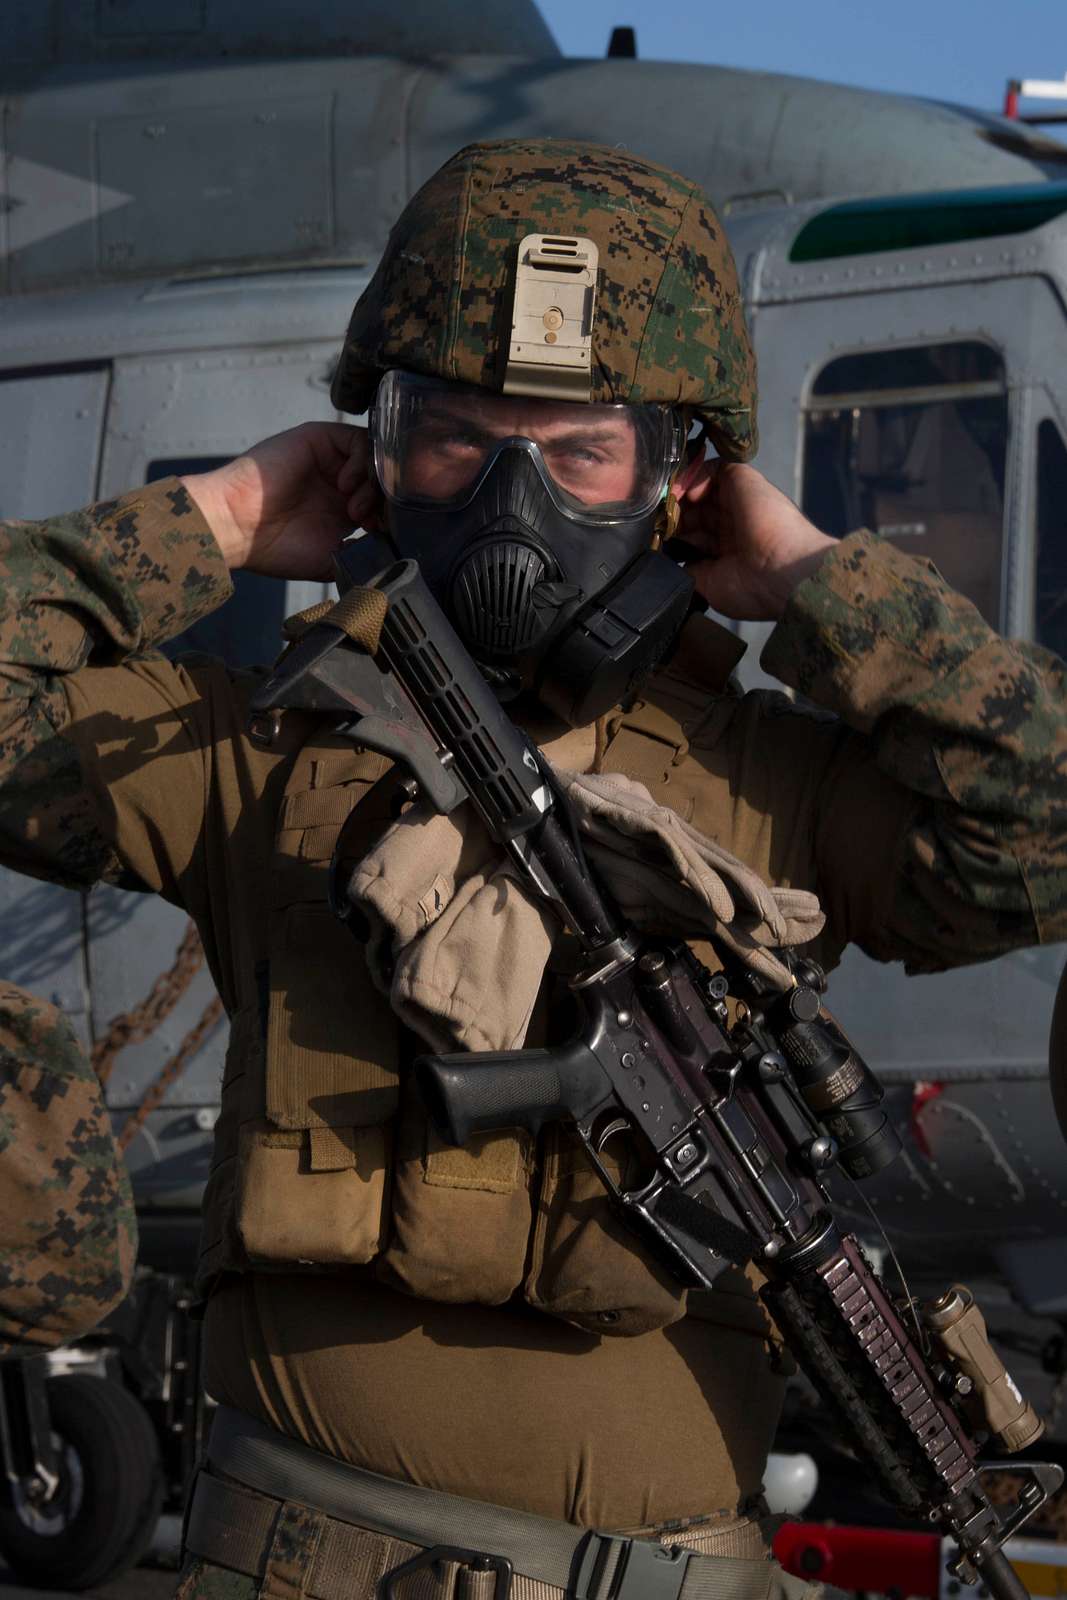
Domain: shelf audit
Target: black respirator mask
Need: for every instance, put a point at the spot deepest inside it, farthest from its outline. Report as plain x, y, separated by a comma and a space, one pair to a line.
532, 522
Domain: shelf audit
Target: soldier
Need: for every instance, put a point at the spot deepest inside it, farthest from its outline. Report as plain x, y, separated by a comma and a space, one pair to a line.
419, 1347
69, 1232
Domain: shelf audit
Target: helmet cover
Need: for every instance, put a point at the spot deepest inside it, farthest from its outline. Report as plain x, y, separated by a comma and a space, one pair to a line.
668, 327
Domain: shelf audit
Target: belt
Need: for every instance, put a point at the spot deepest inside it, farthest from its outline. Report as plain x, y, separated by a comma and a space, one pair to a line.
360, 1533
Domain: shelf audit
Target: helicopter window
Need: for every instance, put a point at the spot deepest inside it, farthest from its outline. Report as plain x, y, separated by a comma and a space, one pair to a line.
912, 443
247, 630
1050, 584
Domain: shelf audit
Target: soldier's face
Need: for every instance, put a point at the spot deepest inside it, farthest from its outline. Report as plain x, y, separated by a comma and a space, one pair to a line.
589, 451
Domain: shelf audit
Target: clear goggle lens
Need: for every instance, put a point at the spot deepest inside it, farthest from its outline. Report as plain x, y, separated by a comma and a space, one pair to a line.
434, 442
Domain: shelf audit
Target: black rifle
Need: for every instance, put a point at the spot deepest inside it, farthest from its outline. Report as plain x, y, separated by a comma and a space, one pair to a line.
735, 1120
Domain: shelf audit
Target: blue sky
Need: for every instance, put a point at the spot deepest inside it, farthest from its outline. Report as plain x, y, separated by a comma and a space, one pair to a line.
962, 50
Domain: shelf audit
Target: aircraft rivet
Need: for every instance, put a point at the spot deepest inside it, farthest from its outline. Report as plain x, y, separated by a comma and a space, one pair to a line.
624, 1018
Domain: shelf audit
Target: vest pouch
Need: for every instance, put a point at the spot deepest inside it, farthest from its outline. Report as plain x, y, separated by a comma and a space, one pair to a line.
586, 1267
312, 1174
312, 1196
461, 1219
331, 1037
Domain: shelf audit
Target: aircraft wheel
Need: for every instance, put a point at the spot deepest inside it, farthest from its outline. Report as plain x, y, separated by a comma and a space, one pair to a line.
100, 1519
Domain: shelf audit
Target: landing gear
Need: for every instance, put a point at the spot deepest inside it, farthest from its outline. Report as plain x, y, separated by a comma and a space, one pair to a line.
89, 1458
83, 1502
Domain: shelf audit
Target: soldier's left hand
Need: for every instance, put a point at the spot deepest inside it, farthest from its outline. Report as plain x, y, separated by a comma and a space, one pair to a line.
759, 545
284, 506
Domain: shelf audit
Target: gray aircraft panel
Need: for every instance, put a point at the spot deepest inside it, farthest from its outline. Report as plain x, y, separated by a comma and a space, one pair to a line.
974, 1024
212, 404
192, 168
763, 241
201, 314
311, 159
727, 128
47, 33
50, 427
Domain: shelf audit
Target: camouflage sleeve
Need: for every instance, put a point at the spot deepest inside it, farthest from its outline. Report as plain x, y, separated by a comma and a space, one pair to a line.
90, 587
974, 725
69, 1234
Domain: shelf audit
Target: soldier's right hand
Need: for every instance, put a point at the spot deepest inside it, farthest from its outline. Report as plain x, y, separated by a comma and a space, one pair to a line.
284, 506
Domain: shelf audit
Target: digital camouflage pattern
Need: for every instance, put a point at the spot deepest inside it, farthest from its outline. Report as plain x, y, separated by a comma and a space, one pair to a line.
204, 1580
669, 323
974, 723
114, 579
69, 1230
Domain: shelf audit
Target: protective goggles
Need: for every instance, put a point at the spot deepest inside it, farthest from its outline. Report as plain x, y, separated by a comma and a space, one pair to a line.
435, 443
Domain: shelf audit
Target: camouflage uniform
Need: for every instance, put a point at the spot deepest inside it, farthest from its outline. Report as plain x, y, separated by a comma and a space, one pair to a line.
927, 814
70, 1235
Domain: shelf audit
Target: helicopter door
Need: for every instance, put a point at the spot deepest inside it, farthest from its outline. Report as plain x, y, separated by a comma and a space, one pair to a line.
51, 421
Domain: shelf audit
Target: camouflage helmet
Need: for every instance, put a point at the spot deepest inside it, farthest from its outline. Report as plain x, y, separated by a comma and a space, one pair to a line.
669, 325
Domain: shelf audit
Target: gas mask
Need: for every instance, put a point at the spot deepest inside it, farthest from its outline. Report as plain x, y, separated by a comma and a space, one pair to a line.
532, 521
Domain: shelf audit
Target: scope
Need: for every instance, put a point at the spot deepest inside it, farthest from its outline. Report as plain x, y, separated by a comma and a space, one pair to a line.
835, 1082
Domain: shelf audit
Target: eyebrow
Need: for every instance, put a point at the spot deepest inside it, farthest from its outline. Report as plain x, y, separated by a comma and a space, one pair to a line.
604, 427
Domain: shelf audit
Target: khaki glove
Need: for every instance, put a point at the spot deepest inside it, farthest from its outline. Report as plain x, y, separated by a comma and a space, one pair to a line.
461, 949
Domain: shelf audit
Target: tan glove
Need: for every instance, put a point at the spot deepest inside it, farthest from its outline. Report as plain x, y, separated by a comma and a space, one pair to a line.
667, 877
461, 949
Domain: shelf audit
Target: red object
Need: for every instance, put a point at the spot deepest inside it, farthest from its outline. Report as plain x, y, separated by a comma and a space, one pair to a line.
862, 1558
1011, 98
921, 1095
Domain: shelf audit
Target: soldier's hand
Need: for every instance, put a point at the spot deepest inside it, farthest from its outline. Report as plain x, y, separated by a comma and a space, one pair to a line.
759, 546
284, 506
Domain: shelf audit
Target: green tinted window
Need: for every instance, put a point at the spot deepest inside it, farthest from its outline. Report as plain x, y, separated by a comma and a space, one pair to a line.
912, 221
912, 444
1050, 579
